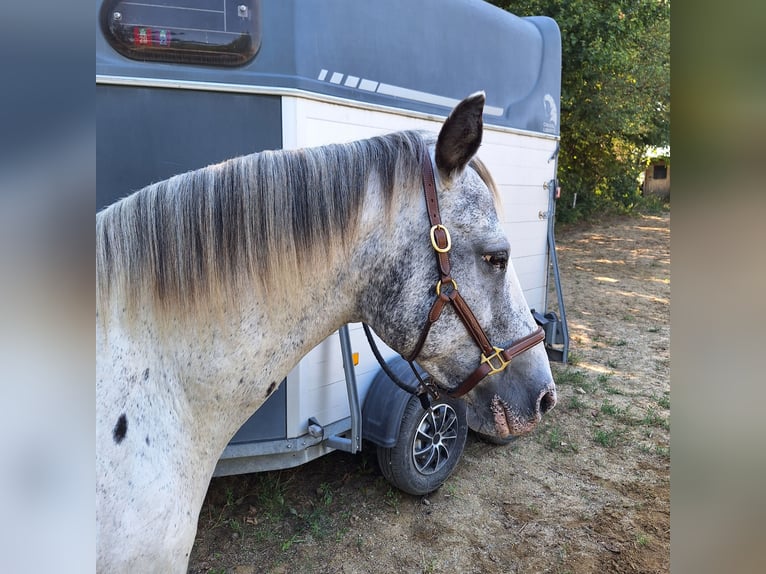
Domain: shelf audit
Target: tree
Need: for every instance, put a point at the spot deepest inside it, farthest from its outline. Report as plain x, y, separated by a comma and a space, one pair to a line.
615, 95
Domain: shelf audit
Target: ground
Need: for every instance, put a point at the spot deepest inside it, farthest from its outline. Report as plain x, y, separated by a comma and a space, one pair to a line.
588, 491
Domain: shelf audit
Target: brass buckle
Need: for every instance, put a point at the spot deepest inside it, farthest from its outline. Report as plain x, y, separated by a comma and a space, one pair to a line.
495, 355
433, 239
439, 287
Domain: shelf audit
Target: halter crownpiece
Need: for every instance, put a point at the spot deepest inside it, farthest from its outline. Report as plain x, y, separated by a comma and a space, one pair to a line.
493, 359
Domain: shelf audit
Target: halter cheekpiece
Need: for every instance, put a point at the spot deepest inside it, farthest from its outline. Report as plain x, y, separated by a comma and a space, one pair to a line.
493, 359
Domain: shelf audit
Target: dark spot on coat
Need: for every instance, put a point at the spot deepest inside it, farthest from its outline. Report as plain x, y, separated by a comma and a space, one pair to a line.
147, 440
120, 429
146, 374
271, 388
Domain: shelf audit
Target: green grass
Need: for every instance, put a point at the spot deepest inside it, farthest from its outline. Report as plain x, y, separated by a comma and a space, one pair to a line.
575, 378
653, 419
643, 539
572, 377
294, 539
235, 526
285, 526
575, 403
664, 401
603, 378
608, 438
393, 498
533, 509
662, 451
220, 520
325, 492
609, 408
319, 521
271, 490
264, 534
621, 414
554, 440
573, 358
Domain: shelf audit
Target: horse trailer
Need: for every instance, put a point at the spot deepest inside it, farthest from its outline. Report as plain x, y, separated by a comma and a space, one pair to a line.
182, 84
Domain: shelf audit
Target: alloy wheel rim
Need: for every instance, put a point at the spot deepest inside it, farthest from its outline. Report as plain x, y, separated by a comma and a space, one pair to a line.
435, 439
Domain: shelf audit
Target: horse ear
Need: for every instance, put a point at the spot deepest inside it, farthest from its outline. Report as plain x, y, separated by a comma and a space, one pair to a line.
460, 136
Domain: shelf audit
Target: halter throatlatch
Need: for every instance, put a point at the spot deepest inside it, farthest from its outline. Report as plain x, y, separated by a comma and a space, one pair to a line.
493, 359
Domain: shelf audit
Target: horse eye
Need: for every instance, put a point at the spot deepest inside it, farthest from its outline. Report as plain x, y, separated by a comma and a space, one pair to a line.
498, 259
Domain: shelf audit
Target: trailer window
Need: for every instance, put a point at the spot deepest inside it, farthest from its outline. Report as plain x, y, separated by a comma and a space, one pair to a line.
209, 32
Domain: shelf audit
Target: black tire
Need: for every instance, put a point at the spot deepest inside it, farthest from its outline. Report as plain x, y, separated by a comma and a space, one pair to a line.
496, 440
429, 446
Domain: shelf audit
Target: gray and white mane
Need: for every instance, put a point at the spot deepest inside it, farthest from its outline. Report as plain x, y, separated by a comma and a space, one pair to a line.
206, 234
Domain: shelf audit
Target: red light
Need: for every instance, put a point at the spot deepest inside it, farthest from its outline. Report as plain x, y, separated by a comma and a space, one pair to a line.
142, 36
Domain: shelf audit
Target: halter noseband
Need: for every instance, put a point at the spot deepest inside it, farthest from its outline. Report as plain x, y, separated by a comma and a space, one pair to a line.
493, 359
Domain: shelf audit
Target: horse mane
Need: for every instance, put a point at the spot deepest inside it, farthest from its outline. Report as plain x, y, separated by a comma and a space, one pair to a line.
481, 169
257, 221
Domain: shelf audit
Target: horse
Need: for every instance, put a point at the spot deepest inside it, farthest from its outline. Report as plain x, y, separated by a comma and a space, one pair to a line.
213, 284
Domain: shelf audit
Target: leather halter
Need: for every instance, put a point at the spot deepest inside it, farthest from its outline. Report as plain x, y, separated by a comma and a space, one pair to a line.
493, 359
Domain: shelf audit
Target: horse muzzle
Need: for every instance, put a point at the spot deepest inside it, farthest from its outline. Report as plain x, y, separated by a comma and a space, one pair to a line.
516, 421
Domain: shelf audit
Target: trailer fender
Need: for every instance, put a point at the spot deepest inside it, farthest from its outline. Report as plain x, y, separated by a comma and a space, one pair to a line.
385, 403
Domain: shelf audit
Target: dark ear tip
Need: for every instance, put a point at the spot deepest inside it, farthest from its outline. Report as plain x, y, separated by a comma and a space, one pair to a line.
460, 136
477, 97
474, 102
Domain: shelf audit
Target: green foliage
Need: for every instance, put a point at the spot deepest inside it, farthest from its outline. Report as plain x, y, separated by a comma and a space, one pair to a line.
643, 539
393, 499
555, 441
576, 403
608, 438
615, 97
568, 376
653, 418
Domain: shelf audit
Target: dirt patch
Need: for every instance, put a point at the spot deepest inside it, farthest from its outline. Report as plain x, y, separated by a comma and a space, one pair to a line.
589, 491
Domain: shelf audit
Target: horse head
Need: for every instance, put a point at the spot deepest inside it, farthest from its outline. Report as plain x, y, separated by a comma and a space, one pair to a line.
435, 270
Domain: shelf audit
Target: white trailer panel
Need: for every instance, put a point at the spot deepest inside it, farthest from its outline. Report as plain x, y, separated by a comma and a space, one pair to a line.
519, 163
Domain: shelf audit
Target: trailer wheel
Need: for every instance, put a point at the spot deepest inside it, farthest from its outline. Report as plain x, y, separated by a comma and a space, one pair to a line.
429, 447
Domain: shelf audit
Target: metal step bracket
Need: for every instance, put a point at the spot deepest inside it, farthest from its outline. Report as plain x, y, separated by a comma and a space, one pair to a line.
351, 444
556, 329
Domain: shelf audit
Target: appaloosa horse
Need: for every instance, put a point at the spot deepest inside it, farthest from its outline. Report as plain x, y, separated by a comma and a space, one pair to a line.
213, 284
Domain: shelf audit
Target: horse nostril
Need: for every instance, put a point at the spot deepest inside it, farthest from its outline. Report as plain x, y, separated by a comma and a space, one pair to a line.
546, 402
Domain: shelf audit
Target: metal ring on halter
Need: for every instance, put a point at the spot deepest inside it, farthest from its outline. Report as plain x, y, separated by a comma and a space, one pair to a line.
496, 355
439, 286
433, 239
